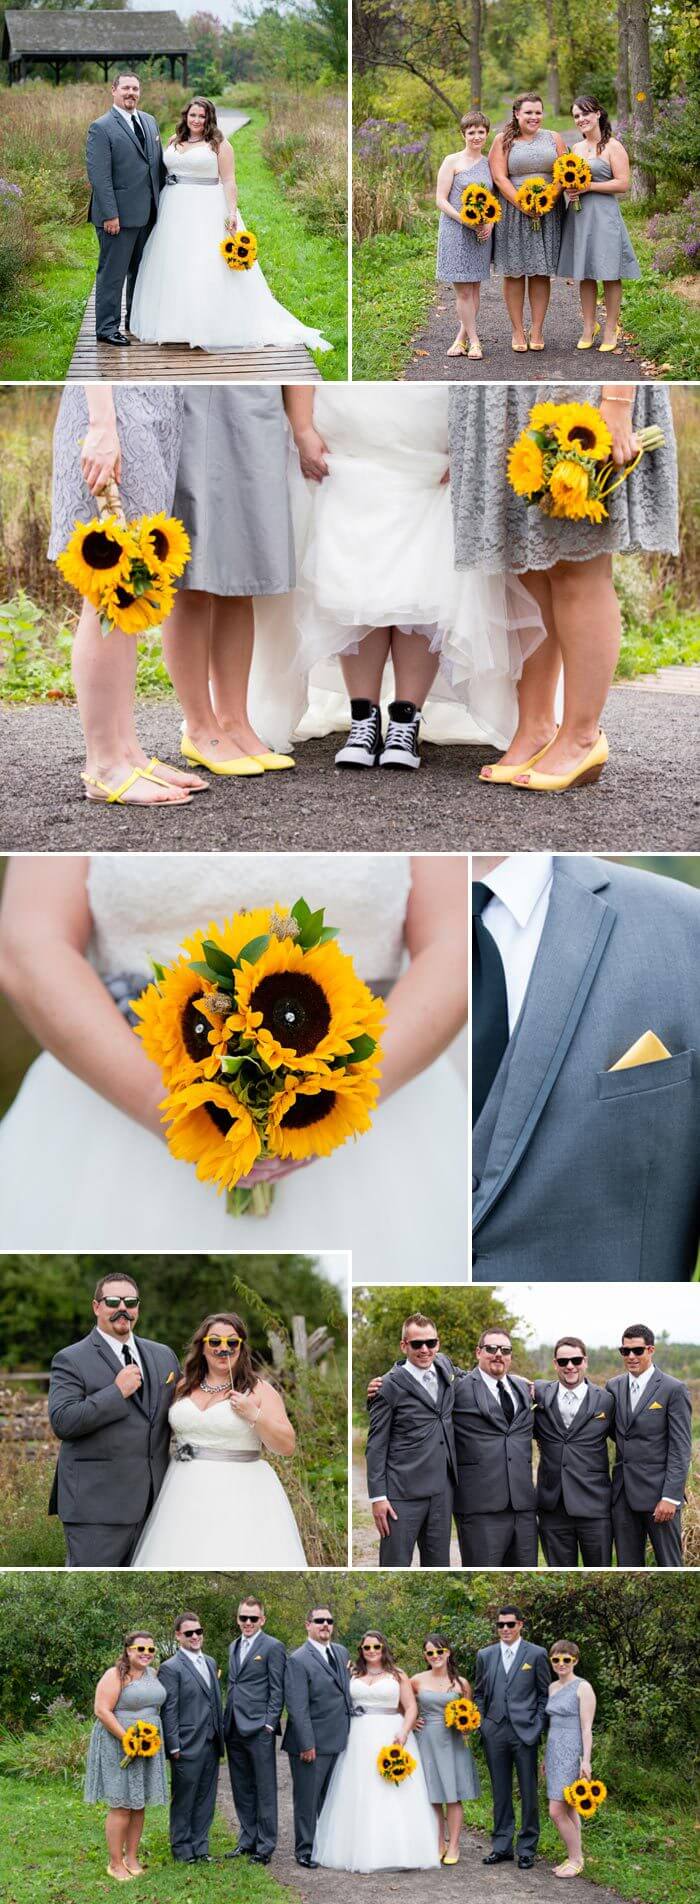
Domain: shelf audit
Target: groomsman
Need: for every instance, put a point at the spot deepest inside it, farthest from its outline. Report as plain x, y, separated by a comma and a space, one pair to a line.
511, 1689
319, 1709
411, 1452
573, 1420
256, 1669
653, 1437
494, 1503
193, 1735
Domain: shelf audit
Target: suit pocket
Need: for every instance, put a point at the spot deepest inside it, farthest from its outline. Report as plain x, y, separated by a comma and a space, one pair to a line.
665, 1075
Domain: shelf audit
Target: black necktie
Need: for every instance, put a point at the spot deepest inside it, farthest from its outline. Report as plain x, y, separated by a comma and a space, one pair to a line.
489, 1003
506, 1402
138, 129
127, 1355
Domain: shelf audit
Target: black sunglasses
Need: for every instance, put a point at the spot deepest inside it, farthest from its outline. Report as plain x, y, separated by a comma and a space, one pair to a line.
321, 1619
506, 1622
120, 1302
495, 1348
638, 1349
422, 1342
191, 1632
569, 1361
248, 1619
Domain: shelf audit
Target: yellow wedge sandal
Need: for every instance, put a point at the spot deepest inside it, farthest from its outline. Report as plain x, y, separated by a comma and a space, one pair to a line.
589, 769
502, 776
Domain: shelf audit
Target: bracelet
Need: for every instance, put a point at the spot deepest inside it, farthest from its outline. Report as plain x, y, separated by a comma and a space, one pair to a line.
618, 399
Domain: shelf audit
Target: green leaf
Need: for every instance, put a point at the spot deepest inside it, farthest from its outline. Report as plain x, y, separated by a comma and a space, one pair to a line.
329, 932
158, 970
311, 930
362, 1048
215, 978
253, 950
230, 1066
301, 912
221, 961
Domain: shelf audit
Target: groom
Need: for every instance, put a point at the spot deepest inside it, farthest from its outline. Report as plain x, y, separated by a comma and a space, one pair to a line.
511, 1688
109, 1397
319, 1709
126, 171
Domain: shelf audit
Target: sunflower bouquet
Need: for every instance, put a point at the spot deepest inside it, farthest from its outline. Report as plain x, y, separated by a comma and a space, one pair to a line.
463, 1715
573, 174
126, 569
141, 1741
562, 461
268, 1046
239, 250
535, 198
395, 1764
586, 1795
479, 207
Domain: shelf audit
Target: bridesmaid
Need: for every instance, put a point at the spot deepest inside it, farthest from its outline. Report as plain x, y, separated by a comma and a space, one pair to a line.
570, 1710
596, 246
128, 1691
450, 1772
232, 497
464, 256
566, 566
527, 259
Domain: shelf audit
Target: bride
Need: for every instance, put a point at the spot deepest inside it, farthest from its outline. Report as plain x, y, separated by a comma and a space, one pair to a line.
77, 935
367, 1824
217, 1486
185, 292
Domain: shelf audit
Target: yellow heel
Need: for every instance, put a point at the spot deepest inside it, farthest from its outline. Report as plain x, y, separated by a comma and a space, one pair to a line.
590, 769
586, 343
244, 766
603, 348
502, 776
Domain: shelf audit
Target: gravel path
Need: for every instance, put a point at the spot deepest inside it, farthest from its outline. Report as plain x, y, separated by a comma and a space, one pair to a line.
365, 1539
647, 801
428, 359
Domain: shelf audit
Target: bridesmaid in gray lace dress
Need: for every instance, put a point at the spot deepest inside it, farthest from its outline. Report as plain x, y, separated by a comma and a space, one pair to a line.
596, 246
464, 259
566, 566
526, 257
450, 1773
570, 1711
128, 1691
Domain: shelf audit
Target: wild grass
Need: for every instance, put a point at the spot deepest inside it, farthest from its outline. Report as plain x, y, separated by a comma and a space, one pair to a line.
305, 143
305, 263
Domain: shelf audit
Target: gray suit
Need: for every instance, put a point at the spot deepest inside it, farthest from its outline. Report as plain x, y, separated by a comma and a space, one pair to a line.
126, 182
319, 1709
114, 1448
494, 1503
654, 1445
411, 1459
251, 1722
193, 1729
581, 1173
512, 1708
573, 1477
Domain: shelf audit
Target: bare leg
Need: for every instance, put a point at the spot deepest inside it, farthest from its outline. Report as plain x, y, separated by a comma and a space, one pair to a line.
612, 293
104, 674
187, 651
587, 622
455, 1820
514, 294
363, 672
415, 667
539, 290
230, 658
440, 1819
588, 291
467, 299
116, 1827
133, 1840
568, 1825
538, 684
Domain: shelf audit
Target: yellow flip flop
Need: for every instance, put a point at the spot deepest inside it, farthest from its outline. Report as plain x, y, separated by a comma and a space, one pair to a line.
114, 796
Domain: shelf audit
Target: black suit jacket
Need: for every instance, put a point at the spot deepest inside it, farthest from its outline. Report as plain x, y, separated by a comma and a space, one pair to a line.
574, 1469
494, 1458
654, 1443
410, 1445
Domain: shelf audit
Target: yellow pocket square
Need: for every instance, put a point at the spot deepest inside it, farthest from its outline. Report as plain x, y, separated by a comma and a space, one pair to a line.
170, 1378
647, 1050
654, 1405
601, 1416
526, 1668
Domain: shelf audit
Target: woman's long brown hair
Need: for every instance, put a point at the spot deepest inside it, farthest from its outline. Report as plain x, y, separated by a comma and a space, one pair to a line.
195, 1366
123, 1663
512, 131
211, 134
387, 1661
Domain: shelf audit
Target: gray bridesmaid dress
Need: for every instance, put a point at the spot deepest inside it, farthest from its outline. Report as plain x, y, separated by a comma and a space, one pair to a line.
497, 530
562, 1759
450, 1772
142, 1781
462, 258
595, 241
232, 492
518, 250
149, 426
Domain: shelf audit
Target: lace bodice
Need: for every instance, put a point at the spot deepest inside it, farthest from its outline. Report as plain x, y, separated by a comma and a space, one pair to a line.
562, 1703
141, 1699
143, 905
532, 158
380, 1694
191, 161
215, 1427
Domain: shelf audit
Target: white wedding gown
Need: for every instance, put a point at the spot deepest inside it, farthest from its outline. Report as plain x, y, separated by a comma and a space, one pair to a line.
76, 1174
367, 1824
221, 1513
185, 292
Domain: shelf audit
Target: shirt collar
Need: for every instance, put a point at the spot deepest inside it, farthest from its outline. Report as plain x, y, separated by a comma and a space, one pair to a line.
579, 1391
520, 881
645, 1377
322, 1649
127, 1342
510, 1646
493, 1380
418, 1373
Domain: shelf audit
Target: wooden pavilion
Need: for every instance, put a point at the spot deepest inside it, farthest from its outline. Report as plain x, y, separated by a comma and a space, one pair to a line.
46, 36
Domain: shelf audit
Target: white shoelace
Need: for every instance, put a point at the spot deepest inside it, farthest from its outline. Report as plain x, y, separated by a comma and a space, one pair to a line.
362, 732
400, 734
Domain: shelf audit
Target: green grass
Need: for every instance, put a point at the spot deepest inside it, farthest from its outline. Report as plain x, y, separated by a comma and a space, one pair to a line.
671, 640
393, 289
38, 329
664, 326
306, 271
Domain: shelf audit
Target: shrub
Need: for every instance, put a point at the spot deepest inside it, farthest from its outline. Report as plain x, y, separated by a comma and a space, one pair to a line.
672, 150
676, 237
305, 142
18, 244
57, 1749
392, 170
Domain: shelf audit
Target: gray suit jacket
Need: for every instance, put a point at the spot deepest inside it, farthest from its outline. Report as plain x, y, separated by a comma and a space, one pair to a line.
574, 1470
494, 1459
192, 1715
527, 1689
653, 1443
255, 1689
582, 1173
114, 1448
126, 182
410, 1445
319, 1707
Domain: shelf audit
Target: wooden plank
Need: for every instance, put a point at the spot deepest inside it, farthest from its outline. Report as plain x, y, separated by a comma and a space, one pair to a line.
93, 362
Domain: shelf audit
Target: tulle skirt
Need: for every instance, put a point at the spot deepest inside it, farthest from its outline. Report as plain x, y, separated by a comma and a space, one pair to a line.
223, 1514
367, 1824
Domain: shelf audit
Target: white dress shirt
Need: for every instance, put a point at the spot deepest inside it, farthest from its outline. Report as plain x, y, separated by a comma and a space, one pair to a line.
132, 118
123, 1343
637, 1385
321, 1646
199, 1662
491, 1383
570, 1399
508, 1652
515, 917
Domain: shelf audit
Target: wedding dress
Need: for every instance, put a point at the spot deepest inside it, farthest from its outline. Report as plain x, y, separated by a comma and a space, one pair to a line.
224, 1504
76, 1174
367, 1824
185, 292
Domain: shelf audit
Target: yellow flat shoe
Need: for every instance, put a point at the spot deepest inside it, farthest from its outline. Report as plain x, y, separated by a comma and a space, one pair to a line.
502, 776
590, 769
244, 766
518, 348
586, 343
450, 1860
272, 763
604, 348
532, 346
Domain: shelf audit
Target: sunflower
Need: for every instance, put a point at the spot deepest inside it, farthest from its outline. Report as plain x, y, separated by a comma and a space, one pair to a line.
579, 1788
526, 466
470, 213
463, 1714
310, 1117
133, 613
543, 415
598, 1790
177, 1025
580, 426
302, 1009
210, 1129
164, 543
98, 553
395, 1764
569, 487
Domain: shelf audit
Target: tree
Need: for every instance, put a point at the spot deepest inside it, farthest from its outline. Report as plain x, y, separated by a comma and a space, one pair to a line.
553, 59
459, 1316
640, 81
622, 80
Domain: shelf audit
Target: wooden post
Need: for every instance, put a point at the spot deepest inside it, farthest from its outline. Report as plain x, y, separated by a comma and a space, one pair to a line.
184, 69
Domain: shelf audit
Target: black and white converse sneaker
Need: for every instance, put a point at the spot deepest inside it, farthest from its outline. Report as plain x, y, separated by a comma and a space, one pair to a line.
364, 740
401, 745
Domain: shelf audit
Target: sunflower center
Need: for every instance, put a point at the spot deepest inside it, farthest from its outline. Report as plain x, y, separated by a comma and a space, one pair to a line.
100, 551
581, 435
195, 1031
294, 1009
123, 597
160, 544
221, 1118
308, 1110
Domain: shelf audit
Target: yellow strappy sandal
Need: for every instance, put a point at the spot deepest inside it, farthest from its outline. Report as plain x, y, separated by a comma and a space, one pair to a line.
114, 796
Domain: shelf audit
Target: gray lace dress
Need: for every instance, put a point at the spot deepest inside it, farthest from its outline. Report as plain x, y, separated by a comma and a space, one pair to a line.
232, 492
149, 425
518, 250
562, 1759
495, 530
142, 1781
450, 1772
595, 241
462, 258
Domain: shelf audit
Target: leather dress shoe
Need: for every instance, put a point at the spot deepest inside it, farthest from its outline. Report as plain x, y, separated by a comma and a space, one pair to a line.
499, 1857
526, 1863
310, 1864
241, 1851
260, 1857
114, 337
204, 1858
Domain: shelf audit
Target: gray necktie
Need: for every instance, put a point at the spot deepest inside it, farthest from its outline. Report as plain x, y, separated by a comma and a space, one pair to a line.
568, 1404
430, 1381
635, 1391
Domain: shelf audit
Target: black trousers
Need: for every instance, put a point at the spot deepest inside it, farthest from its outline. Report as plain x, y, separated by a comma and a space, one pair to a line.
252, 1766
426, 1524
193, 1802
310, 1781
632, 1529
120, 257
88, 1544
564, 1536
505, 1539
505, 1753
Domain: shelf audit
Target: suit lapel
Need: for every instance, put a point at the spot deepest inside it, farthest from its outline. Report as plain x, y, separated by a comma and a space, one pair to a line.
577, 928
584, 1412
130, 134
151, 1382
648, 1395
415, 1388
487, 1403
